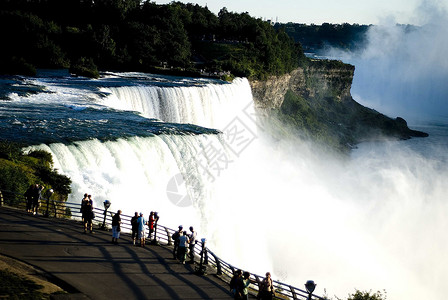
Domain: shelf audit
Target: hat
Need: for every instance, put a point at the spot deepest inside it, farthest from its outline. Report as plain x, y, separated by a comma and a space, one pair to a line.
180, 226
141, 214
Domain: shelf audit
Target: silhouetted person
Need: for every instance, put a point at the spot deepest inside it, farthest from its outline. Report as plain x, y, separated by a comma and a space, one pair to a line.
82, 203
134, 225
175, 238
116, 223
87, 213
182, 250
192, 238
266, 288
234, 284
29, 198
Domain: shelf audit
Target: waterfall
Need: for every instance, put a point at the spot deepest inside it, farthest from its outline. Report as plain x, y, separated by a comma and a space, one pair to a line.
209, 105
164, 173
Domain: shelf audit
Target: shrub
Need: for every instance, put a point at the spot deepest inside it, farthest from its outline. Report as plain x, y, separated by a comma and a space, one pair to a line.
85, 67
358, 295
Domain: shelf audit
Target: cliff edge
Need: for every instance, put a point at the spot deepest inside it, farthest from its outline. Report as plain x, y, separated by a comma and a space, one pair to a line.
315, 100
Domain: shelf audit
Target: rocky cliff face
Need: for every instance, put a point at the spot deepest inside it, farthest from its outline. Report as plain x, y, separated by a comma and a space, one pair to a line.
316, 100
313, 82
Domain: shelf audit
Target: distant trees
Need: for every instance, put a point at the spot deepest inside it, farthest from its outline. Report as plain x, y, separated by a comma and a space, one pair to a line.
314, 37
140, 35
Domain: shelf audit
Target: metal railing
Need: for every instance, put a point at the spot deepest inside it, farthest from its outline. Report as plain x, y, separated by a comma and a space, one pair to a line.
162, 235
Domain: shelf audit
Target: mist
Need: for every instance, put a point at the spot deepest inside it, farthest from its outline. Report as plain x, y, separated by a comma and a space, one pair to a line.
403, 70
373, 221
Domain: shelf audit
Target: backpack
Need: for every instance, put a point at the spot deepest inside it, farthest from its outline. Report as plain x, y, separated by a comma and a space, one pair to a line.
176, 236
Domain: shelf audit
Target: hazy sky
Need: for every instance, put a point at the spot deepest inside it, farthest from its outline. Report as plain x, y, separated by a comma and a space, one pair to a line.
331, 11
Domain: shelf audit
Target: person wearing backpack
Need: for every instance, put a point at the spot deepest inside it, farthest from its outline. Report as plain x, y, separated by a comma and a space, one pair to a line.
234, 284
134, 225
175, 238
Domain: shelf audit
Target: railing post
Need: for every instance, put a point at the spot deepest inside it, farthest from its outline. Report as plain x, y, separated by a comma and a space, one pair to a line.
49, 193
218, 265
257, 278
293, 292
231, 269
1, 198
55, 209
170, 241
201, 269
205, 256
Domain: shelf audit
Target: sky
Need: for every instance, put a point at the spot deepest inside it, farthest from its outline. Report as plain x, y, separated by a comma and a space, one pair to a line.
330, 11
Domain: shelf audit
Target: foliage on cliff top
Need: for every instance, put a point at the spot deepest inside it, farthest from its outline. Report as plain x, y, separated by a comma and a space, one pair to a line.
140, 35
315, 37
20, 170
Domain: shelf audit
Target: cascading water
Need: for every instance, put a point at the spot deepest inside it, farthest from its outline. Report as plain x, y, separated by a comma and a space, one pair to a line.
210, 105
140, 173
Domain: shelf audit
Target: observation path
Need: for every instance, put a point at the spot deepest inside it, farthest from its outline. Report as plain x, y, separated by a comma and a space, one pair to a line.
89, 266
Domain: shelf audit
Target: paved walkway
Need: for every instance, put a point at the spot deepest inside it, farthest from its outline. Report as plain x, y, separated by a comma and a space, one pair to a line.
89, 266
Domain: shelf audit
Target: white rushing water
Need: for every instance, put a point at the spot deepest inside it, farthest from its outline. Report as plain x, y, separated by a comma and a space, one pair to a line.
210, 105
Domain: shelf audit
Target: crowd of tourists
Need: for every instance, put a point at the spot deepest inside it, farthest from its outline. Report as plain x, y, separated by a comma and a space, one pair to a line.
239, 286
184, 244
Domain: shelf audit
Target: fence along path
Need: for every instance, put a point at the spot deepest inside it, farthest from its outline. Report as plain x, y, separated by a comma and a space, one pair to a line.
162, 236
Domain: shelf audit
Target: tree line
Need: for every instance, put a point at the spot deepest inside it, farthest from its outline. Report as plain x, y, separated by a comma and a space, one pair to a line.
316, 37
87, 35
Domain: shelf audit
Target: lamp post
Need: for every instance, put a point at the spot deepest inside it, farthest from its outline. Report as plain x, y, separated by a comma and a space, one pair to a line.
106, 204
49, 193
310, 286
201, 269
156, 219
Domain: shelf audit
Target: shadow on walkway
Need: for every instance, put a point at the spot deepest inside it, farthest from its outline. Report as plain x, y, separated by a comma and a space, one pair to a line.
89, 264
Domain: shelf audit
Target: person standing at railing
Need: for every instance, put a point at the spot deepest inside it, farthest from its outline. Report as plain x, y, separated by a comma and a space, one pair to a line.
29, 198
141, 221
151, 224
234, 284
82, 202
243, 286
175, 238
87, 213
182, 251
116, 222
266, 288
134, 226
36, 195
192, 238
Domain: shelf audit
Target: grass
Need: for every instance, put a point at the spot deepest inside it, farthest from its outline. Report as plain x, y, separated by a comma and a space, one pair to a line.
13, 286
